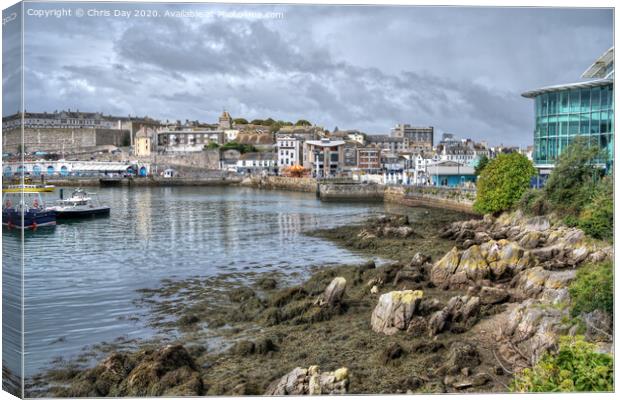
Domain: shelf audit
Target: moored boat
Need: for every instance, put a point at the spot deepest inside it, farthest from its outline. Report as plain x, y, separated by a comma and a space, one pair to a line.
25, 210
79, 205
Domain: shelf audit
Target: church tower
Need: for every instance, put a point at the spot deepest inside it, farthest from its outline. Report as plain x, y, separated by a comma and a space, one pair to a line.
225, 121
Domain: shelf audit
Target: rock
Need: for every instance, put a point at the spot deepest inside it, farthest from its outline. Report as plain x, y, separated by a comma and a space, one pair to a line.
333, 294
472, 266
531, 240
312, 381
374, 289
480, 379
419, 259
392, 352
492, 295
533, 328
599, 326
418, 326
460, 309
460, 355
267, 283
169, 371
538, 282
445, 268
395, 310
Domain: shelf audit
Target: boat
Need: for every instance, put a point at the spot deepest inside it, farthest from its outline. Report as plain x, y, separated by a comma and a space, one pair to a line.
79, 205
28, 188
25, 210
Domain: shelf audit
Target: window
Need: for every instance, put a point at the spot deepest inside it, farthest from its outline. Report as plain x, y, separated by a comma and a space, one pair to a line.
595, 98
595, 126
584, 124
585, 100
564, 102
574, 100
573, 125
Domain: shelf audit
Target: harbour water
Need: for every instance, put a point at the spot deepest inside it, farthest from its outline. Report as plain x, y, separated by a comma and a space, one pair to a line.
80, 278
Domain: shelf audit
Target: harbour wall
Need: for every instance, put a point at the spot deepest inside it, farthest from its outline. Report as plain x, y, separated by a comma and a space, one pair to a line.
282, 183
456, 199
142, 182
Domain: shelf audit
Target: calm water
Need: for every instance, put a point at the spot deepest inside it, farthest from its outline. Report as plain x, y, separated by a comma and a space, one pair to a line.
80, 277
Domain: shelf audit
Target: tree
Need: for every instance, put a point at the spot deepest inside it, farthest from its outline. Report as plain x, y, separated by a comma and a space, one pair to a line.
574, 177
303, 122
502, 183
482, 162
240, 121
242, 148
212, 146
257, 122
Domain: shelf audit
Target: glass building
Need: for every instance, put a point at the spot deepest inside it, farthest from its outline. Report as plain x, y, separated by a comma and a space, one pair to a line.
564, 112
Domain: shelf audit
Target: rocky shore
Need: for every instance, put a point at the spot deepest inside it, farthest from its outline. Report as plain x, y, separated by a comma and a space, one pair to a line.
463, 306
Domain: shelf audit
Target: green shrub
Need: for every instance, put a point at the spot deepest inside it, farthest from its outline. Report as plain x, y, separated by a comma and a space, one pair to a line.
593, 289
502, 183
597, 217
533, 202
577, 367
573, 179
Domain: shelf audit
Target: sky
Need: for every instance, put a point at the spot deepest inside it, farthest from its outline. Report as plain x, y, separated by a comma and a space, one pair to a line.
461, 70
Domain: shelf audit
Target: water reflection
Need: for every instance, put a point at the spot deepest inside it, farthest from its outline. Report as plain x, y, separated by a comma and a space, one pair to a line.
80, 278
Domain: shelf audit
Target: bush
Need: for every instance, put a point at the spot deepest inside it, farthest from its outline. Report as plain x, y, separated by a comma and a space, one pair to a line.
502, 183
597, 217
533, 202
593, 289
572, 181
577, 367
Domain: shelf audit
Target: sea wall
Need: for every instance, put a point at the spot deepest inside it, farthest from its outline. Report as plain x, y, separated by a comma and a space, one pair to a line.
350, 191
282, 183
449, 198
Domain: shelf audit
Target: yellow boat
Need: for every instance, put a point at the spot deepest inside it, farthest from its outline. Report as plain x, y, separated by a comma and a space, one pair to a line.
28, 188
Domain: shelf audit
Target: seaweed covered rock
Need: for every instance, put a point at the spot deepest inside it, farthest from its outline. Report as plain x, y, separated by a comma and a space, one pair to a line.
395, 310
168, 371
312, 381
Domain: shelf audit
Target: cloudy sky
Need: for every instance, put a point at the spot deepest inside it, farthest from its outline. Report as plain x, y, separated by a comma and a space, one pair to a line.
461, 70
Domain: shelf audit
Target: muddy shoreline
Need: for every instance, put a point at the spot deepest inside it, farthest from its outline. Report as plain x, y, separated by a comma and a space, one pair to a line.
245, 330
239, 333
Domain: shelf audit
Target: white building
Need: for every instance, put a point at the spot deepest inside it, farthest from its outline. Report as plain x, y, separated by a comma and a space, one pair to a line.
257, 163
230, 135
289, 151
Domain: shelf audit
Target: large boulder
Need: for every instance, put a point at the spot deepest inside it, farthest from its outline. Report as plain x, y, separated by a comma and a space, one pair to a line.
532, 328
310, 381
395, 310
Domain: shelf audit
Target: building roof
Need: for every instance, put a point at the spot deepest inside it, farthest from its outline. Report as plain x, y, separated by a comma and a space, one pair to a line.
325, 143
577, 85
603, 67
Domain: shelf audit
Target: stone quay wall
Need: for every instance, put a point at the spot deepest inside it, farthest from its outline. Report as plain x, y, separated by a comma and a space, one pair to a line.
351, 191
456, 199
282, 183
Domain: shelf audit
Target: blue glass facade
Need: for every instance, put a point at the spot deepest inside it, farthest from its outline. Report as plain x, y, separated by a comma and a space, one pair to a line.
563, 114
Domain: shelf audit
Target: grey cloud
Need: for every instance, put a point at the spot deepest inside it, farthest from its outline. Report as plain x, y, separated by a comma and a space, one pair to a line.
458, 69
